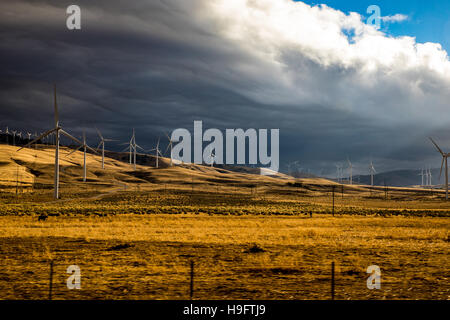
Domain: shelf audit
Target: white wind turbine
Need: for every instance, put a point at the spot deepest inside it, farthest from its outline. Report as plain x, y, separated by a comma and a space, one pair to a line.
296, 165
444, 158
429, 175
135, 147
372, 171
85, 147
14, 132
350, 168
129, 148
170, 146
132, 147
422, 175
213, 158
157, 153
57, 130
7, 135
338, 173
102, 144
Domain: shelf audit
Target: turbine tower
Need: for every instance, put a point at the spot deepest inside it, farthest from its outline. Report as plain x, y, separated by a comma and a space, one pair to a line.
169, 146
429, 174
157, 153
213, 157
57, 130
133, 147
372, 171
102, 144
350, 168
14, 137
129, 148
338, 173
444, 158
85, 147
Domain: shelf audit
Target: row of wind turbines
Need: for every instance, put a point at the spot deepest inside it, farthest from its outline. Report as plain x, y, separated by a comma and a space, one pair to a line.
427, 174
426, 177
132, 147
340, 172
57, 131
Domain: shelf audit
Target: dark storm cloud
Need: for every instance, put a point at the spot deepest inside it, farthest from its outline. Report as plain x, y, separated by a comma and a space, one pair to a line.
160, 65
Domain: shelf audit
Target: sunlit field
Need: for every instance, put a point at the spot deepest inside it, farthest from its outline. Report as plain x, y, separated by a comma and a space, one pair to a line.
135, 235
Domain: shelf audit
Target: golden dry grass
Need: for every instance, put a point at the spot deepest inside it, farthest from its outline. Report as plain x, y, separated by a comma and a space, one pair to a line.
134, 234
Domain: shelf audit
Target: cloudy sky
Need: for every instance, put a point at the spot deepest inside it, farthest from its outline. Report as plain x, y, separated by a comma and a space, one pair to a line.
335, 86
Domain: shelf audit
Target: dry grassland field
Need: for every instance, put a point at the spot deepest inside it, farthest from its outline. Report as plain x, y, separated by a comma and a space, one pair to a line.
136, 234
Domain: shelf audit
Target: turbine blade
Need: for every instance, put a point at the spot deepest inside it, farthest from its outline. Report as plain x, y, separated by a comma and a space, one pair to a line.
437, 147
75, 150
71, 137
442, 164
167, 148
94, 151
98, 147
99, 134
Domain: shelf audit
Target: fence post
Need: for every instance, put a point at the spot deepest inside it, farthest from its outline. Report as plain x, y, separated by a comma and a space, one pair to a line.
332, 280
192, 280
51, 281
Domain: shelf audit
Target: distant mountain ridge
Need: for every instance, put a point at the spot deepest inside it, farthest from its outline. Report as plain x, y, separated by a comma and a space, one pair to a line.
401, 178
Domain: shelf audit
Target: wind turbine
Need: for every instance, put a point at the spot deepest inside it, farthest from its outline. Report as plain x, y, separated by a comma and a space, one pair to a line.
444, 158
372, 171
29, 135
422, 175
133, 148
7, 135
213, 157
102, 144
57, 130
429, 174
296, 165
338, 173
14, 137
85, 147
169, 146
350, 167
129, 148
158, 153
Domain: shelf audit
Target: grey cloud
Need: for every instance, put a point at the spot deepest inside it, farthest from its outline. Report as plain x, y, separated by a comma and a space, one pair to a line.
160, 65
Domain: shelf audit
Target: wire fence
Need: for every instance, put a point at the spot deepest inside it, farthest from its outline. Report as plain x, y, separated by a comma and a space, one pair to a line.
196, 278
